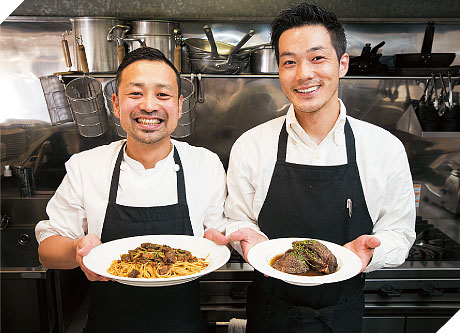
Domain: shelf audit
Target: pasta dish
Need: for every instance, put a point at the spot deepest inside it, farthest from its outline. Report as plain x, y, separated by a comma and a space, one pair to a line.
156, 261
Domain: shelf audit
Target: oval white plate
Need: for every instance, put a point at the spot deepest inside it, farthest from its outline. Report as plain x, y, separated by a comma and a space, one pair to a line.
99, 258
260, 255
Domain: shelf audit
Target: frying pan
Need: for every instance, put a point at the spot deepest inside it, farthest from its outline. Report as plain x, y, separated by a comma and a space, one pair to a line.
425, 58
215, 63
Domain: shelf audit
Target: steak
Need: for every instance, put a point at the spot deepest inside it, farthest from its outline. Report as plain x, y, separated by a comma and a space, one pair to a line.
290, 264
318, 256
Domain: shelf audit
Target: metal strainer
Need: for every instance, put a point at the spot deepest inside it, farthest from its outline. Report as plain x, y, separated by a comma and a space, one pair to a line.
87, 102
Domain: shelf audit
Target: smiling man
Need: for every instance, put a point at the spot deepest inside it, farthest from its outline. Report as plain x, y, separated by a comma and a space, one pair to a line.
146, 184
317, 173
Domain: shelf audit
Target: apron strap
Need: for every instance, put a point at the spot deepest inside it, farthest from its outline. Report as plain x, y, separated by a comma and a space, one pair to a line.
350, 142
116, 176
282, 143
181, 195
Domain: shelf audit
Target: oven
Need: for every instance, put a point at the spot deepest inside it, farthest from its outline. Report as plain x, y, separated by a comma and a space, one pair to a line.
421, 295
33, 297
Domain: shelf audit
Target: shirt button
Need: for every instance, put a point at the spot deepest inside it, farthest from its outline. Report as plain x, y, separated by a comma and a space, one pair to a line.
176, 167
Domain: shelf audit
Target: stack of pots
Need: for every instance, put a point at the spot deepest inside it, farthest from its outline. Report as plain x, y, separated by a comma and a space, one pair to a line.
209, 56
91, 32
163, 35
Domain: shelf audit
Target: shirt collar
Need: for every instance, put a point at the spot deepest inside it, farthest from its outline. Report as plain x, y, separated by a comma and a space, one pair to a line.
297, 132
138, 167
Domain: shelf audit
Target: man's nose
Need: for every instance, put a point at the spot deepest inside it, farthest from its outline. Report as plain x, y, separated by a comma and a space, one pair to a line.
304, 70
149, 102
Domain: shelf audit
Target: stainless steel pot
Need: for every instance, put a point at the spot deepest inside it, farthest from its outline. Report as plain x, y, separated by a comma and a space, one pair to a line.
163, 35
91, 32
263, 61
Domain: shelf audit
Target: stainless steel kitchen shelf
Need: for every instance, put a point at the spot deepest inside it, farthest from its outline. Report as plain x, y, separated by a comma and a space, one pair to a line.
262, 76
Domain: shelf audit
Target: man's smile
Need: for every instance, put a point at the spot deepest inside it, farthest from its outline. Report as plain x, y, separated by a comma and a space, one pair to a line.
148, 121
307, 90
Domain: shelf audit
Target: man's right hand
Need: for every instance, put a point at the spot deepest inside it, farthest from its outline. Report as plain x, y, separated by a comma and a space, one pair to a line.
248, 238
82, 247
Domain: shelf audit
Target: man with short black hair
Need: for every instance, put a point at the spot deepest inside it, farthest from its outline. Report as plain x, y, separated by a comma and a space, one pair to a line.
317, 173
146, 184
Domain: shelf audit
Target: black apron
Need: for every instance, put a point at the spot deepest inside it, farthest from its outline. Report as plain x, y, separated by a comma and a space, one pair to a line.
310, 201
116, 307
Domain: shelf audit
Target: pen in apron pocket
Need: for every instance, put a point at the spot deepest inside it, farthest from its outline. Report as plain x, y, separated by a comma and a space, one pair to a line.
349, 206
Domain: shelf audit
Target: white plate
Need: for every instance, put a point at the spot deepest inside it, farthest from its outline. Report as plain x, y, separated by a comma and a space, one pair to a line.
259, 257
99, 258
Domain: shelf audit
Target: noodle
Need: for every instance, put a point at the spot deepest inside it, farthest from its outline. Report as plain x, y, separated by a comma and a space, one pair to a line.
156, 261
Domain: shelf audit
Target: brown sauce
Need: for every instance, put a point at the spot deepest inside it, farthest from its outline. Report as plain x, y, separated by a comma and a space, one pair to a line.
308, 273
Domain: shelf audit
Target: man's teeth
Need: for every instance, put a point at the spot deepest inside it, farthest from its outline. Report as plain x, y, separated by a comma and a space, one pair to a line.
308, 90
148, 121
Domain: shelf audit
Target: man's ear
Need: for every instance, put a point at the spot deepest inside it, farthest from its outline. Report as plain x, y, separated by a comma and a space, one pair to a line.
116, 109
181, 102
343, 65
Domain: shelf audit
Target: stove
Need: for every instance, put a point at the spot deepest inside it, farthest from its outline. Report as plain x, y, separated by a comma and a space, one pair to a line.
423, 293
431, 244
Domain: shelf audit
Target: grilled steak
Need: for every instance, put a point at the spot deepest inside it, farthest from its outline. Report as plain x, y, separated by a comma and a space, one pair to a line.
318, 256
290, 264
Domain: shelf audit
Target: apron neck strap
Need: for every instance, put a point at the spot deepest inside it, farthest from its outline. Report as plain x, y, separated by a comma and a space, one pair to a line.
349, 140
181, 196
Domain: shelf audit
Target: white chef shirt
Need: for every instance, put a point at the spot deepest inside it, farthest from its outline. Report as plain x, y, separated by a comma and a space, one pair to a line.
383, 168
79, 204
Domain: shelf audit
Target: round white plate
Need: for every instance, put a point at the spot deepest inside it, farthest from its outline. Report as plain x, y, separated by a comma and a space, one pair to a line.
260, 255
99, 258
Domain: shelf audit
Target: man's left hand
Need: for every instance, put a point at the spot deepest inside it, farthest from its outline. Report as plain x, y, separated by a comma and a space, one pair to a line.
216, 236
363, 246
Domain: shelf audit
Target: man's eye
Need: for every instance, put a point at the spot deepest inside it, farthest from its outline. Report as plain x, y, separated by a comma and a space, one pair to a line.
135, 93
318, 58
288, 62
163, 95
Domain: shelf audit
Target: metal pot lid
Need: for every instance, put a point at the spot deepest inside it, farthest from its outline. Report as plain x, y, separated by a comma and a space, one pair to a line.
94, 18
155, 21
223, 49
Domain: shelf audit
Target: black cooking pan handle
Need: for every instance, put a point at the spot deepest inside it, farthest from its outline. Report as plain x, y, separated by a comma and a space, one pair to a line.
239, 45
428, 39
212, 42
377, 47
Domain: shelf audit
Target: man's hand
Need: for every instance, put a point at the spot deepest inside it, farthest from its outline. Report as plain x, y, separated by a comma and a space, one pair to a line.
363, 246
247, 238
216, 236
82, 247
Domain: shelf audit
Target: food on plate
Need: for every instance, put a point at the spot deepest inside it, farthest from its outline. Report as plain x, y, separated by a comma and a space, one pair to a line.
156, 261
306, 257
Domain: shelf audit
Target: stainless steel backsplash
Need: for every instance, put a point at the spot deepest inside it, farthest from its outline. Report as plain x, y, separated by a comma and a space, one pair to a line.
30, 48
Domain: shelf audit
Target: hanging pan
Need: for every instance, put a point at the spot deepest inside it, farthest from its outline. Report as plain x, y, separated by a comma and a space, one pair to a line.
426, 58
